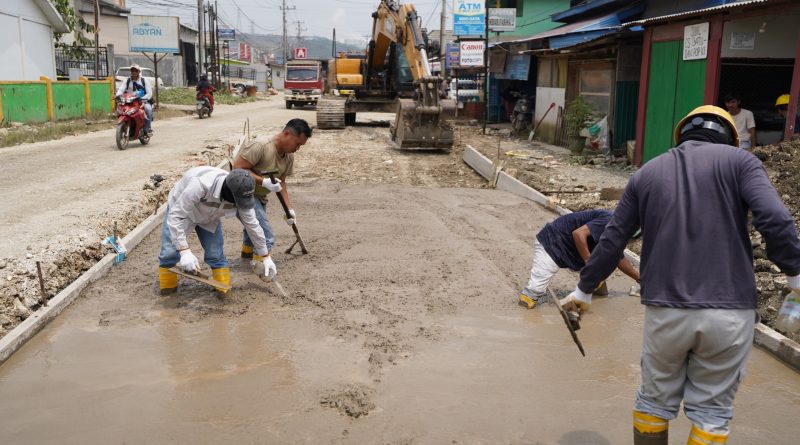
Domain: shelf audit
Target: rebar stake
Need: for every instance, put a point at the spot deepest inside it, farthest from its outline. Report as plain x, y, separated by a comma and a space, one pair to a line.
43, 300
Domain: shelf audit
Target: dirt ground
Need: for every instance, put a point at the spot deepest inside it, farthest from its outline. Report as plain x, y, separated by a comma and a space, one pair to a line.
400, 326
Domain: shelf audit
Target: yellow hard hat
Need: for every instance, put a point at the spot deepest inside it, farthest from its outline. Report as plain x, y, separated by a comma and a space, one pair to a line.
783, 99
708, 110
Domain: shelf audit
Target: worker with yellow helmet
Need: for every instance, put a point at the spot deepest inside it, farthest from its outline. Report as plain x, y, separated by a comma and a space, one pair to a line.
698, 286
782, 104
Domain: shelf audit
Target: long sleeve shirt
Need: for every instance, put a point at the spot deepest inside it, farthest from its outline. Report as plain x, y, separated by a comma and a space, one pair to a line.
196, 201
692, 205
131, 86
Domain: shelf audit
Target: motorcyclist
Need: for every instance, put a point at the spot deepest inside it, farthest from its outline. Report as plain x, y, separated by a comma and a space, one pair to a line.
138, 85
206, 90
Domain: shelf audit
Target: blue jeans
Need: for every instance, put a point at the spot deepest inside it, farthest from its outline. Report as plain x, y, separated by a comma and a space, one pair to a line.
148, 113
261, 216
212, 244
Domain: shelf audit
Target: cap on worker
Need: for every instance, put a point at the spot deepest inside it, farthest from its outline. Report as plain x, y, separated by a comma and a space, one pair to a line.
243, 187
695, 120
783, 99
136, 67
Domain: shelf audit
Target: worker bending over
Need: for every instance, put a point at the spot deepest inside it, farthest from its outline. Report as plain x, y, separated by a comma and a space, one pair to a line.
197, 203
566, 243
698, 285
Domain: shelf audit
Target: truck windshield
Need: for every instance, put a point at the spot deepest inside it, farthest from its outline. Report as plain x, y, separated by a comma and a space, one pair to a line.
301, 74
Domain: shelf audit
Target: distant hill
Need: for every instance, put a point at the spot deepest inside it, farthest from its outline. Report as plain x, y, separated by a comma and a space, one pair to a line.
318, 47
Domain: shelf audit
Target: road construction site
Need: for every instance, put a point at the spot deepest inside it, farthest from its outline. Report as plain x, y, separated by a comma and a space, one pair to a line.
399, 326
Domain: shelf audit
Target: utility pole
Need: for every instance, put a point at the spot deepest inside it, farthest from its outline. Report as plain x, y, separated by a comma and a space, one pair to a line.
201, 48
284, 8
300, 30
96, 39
441, 33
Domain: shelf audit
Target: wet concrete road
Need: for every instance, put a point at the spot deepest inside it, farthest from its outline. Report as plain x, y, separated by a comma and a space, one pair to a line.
400, 327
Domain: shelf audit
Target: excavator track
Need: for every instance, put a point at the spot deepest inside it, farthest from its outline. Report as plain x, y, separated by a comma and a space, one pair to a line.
330, 113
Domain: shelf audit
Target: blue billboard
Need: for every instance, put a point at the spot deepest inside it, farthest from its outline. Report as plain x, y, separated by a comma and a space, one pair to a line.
469, 18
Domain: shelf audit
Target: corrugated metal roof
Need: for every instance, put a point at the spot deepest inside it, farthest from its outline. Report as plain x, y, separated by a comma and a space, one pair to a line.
696, 12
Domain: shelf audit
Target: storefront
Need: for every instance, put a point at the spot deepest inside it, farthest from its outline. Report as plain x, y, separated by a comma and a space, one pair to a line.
693, 58
511, 75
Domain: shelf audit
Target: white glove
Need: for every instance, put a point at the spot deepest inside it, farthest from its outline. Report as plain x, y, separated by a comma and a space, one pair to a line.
274, 188
188, 261
270, 269
292, 218
793, 282
578, 301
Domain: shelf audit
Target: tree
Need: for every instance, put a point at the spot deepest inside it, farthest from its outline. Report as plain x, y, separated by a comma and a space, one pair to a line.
76, 26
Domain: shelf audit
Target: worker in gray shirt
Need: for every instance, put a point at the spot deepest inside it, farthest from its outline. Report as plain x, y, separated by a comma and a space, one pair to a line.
697, 278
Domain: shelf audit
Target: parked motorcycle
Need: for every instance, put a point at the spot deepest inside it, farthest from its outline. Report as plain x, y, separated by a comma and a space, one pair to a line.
203, 106
522, 115
130, 120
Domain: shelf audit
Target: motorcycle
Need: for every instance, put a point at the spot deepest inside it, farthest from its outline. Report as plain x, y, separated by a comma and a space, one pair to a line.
203, 106
522, 115
130, 120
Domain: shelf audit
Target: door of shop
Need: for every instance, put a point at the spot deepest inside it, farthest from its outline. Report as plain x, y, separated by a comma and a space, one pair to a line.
675, 87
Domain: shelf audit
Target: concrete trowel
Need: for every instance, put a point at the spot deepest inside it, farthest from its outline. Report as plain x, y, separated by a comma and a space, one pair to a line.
570, 319
201, 277
258, 269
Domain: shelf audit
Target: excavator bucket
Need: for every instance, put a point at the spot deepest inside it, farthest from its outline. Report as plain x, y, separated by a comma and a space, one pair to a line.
419, 127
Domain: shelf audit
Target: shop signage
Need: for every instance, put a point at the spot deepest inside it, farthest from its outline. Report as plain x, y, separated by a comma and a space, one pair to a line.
695, 41
452, 55
502, 19
152, 34
436, 67
471, 53
743, 40
226, 34
469, 17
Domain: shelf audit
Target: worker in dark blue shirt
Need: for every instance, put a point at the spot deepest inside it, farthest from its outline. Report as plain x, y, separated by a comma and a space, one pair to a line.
566, 243
698, 285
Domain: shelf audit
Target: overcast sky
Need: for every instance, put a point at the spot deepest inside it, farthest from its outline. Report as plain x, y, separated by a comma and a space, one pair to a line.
351, 18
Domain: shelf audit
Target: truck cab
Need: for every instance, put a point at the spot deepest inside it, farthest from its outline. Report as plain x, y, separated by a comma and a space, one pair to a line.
304, 82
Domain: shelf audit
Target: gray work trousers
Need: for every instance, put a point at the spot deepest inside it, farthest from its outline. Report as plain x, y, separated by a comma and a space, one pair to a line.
694, 355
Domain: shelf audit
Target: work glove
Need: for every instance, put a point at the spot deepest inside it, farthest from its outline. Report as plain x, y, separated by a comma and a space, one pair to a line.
578, 301
793, 283
292, 218
274, 188
189, 262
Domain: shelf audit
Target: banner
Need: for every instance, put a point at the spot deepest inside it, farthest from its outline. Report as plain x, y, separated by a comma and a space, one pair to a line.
152, 34
469, 18
471, 52
452, 55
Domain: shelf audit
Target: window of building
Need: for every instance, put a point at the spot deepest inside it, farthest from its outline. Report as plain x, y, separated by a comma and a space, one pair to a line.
595, 86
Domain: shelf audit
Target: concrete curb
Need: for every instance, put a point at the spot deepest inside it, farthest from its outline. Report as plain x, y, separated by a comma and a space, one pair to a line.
39, 319
774, 342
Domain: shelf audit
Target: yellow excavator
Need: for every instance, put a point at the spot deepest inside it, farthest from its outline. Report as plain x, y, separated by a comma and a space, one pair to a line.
393, 76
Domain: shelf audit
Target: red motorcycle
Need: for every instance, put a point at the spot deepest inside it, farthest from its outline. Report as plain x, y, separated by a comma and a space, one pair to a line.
130, 120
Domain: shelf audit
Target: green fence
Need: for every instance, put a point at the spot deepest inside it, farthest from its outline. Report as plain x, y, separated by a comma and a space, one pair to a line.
24, 101
69, 100
100, 97
43, 100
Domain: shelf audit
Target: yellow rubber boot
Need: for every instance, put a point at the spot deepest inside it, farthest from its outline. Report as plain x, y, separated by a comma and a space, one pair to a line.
223, 275
247, 251
700, 437
167, 281
649, 430
527, 301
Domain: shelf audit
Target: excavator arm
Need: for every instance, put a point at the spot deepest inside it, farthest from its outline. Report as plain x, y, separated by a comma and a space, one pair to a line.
420, 122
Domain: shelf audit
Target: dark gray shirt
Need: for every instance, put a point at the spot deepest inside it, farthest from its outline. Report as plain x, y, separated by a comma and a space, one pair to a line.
692, 204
